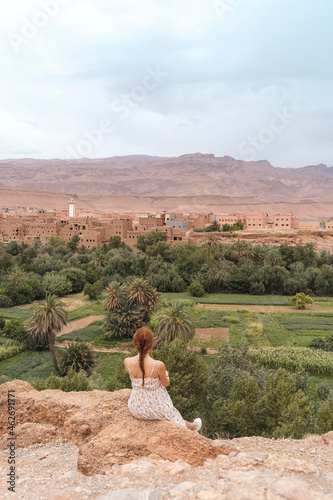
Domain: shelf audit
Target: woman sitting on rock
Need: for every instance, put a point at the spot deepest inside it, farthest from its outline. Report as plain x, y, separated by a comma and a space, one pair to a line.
149, 399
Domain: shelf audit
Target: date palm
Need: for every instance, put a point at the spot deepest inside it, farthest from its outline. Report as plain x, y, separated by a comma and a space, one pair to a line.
218, 277
18, 275
48, 318
174, 322
141, 293
79, 355
210, 241
124, 320
116, 293
99, 257
273, 256
240, 250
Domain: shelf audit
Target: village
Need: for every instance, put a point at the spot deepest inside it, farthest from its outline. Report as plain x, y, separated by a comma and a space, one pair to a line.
28, 225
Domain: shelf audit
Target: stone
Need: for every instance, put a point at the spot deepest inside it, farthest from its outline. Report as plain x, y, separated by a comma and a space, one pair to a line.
242, 475
133, 494
83, 491
107, 437
289, 488
182, 488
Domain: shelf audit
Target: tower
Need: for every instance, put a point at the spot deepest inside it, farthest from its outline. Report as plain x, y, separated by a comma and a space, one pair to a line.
71, 208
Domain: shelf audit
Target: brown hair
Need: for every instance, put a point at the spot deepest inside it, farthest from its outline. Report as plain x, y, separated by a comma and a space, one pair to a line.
143, 341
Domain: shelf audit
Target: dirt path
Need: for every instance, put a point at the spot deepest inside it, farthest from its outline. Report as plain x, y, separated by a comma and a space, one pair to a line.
203, 334
121, 348
79, 323
235, 307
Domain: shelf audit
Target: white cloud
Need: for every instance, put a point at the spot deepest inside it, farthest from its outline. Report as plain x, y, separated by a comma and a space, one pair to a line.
225, 77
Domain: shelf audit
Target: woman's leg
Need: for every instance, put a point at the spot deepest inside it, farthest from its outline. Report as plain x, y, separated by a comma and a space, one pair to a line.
191, 425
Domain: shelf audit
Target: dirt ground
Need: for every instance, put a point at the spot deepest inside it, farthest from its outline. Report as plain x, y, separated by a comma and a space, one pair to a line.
79, 323
208, 333
123, 347
322, 239
73, 301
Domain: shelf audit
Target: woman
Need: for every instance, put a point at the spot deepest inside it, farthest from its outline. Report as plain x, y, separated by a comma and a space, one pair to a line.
149, 399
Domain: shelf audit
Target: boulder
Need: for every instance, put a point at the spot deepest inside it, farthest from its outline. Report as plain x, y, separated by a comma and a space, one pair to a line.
100, 424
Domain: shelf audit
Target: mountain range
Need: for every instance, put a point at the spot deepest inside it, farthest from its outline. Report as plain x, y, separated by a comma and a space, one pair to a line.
195, 176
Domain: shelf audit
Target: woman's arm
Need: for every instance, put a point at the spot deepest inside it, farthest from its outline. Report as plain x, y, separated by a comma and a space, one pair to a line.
163, 374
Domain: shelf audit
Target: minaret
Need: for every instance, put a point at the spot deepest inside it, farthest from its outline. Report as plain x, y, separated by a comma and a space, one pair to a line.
71, 208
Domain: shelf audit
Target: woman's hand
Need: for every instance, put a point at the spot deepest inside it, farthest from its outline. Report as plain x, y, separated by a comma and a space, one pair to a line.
167, 374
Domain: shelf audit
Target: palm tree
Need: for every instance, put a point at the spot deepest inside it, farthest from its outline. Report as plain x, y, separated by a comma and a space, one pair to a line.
124, 320
273, 256
46, 321
175, 322
98, 257
240, 250
220, 252
79, 355
257, 255
209, 242
18, 275
218, 277
116, 293
141, 293
38, 245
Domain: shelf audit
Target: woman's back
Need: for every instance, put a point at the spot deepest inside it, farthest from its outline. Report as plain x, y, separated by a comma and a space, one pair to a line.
148, 364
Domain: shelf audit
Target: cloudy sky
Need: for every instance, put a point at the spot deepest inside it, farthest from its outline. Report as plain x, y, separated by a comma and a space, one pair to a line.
250, 79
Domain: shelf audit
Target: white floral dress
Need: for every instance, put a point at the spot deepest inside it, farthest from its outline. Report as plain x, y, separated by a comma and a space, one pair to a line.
151, 402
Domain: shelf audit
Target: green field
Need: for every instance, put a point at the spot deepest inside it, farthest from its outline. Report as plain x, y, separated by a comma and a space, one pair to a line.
90, 308
260, 327
237, 299
27, 364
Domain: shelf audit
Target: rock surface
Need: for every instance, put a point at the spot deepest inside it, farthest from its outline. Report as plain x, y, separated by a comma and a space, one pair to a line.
86, 445
99, 423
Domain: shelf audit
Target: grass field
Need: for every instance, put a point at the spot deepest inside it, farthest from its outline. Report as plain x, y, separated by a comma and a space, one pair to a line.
261, 327
28, 364
237, 299
16, 312
89, 308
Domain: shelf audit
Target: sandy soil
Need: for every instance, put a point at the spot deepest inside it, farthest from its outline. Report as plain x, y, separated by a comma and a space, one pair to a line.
79, 323
50, 200
209, 333
73, 301
123, 347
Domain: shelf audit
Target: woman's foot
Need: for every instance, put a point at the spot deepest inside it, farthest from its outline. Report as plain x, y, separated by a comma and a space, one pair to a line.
195, 425
199, 424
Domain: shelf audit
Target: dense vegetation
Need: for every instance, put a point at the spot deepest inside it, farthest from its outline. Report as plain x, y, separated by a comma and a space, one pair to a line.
28, 272
280, 387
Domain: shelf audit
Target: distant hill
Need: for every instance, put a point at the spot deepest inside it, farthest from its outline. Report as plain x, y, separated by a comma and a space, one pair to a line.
188, 175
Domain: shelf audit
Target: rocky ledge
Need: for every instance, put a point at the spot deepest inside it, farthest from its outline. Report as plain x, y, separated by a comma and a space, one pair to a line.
87, 445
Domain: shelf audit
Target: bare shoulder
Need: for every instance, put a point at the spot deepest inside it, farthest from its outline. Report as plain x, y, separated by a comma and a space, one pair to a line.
160, 365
